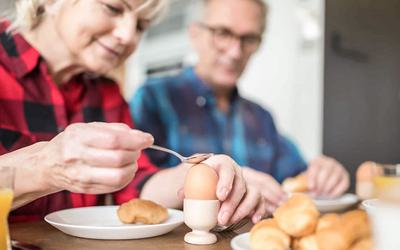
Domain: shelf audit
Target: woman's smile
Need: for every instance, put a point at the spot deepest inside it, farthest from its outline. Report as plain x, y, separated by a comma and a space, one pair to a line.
110, 50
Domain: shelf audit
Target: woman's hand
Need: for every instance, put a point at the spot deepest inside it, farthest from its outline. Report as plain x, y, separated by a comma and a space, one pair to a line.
93, 157
239, 199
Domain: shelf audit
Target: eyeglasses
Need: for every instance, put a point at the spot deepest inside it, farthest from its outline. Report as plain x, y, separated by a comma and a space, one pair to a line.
223, 38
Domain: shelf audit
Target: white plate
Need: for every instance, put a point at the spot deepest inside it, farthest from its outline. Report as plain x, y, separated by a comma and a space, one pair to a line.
241, 242
337, 204
370, 204
102, 223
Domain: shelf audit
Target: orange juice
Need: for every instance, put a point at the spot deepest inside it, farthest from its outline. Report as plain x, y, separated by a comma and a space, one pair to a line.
387, 188
6, 196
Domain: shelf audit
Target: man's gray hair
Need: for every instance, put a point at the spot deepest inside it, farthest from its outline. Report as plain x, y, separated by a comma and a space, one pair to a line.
201, 5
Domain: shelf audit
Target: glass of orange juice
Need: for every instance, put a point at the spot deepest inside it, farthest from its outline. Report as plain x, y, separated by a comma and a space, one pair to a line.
387, 185
7, 175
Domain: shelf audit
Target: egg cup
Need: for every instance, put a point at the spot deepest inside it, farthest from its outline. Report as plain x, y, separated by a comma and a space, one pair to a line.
201, 217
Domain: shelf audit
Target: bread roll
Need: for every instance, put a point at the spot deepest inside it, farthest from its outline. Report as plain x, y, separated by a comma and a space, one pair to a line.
332, 238
326, 239
296, 184
142, 211
353, 225
266, 235
329, 235
298, 216
306, 243
327, 220
363, 244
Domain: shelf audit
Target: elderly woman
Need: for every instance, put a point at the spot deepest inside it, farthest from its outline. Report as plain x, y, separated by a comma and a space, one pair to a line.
66, 128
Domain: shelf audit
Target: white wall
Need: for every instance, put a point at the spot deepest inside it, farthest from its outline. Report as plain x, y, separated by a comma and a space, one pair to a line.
5, 5
285, 76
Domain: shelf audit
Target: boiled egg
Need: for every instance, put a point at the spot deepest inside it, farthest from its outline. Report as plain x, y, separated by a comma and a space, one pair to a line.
365, 174
201, 183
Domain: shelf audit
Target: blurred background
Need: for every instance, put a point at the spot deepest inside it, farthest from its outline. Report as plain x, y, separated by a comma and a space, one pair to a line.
285, 76
327, 70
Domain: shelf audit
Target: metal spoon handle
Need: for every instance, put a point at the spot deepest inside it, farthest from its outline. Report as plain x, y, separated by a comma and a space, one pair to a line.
183, 159
193, 159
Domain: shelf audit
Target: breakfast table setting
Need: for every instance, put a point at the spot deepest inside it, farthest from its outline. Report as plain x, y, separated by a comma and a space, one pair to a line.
44, 235
99, 228
357, 221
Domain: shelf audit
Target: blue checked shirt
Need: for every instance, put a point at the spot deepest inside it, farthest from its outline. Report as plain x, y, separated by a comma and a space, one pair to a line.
181, 113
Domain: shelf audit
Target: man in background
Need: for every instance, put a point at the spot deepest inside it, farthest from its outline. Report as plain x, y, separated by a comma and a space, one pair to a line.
201, 110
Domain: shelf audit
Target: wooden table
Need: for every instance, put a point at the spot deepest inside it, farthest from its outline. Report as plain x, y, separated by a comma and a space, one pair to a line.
49, 238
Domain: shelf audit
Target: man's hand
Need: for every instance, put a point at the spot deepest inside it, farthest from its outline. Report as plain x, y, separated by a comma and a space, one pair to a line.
270, 190
327, 177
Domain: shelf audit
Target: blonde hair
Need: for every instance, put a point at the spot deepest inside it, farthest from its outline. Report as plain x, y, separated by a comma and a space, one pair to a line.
27, 14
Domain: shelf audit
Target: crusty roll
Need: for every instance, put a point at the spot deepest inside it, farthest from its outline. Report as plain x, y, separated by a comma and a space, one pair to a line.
363, 244
296, 184
142, 211
297, 217
328, 236
306, 243
266, 235
355, 225
332, 238
327, 220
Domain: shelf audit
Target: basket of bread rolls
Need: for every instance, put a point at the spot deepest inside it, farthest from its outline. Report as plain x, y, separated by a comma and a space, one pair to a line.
298, 225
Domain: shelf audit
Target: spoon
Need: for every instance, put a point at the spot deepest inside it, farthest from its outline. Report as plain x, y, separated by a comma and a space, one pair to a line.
193, 159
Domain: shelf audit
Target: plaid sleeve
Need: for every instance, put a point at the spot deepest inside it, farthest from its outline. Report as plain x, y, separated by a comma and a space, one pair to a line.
145, 170
146, 107
289, 161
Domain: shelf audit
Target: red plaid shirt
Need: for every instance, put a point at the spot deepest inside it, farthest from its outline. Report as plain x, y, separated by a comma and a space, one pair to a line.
33, 108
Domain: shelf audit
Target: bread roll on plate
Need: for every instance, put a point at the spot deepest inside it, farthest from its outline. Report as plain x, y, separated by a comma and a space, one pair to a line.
142, 211
353, 226
298, 216
296, 184
363, 244
327, 220
332, 238
266, 235
306, 243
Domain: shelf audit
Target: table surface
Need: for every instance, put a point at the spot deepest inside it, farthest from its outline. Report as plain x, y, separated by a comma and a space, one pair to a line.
47, 237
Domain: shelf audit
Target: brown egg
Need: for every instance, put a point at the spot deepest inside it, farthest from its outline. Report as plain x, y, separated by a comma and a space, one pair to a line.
364, 177
201, 183
368, 170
